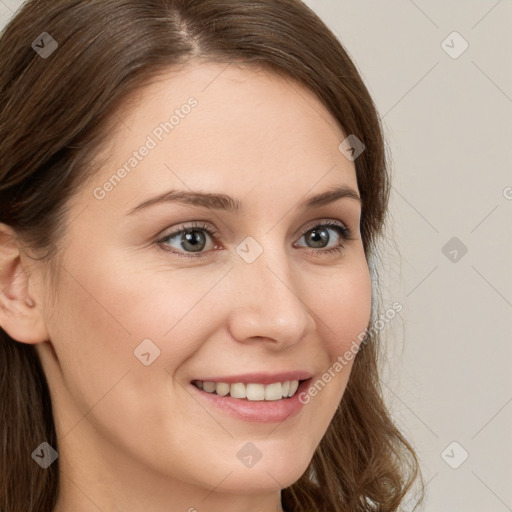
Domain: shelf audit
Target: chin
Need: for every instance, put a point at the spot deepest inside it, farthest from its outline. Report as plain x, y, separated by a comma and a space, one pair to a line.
262, 481
276, 473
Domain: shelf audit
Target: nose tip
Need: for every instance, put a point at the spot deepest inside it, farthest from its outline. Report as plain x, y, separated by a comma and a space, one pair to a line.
270, 310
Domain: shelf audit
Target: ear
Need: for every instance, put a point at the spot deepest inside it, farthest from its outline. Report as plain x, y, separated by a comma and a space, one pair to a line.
20, 312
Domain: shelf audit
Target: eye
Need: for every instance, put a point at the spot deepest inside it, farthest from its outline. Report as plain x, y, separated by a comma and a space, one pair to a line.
193, 239
319, 237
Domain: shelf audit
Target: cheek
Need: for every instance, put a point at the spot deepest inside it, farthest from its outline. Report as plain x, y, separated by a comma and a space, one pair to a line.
92, 340
344, 306
109, 306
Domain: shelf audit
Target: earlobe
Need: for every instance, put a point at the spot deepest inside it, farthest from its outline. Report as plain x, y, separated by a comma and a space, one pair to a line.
20, 314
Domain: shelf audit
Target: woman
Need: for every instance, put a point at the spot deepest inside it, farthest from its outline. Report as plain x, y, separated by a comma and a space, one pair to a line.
191, 197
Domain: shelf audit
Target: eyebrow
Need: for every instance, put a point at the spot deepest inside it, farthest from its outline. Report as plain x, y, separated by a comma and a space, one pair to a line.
230, 204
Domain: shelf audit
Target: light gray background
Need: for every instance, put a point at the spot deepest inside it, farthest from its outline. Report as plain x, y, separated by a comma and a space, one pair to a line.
448, 125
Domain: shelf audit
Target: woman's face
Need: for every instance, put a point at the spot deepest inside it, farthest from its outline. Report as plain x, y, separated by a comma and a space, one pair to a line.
141, 316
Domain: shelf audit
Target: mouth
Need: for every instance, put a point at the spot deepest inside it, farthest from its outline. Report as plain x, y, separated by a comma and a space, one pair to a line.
251, 391
255, 398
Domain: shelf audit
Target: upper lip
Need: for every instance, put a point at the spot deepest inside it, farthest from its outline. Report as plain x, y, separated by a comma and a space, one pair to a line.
260, 378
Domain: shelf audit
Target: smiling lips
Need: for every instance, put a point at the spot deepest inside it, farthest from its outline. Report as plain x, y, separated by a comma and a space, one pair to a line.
255, 397
252, 391
254, 387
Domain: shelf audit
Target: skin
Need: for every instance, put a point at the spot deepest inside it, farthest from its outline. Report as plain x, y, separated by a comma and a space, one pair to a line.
131, 437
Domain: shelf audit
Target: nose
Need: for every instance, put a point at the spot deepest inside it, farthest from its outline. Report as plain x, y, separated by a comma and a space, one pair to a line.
267, 303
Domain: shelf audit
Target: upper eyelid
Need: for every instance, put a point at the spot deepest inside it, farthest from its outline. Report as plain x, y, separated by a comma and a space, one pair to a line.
325, 220
202, 224
207, 226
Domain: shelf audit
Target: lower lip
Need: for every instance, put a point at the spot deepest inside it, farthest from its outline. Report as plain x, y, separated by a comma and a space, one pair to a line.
261, 411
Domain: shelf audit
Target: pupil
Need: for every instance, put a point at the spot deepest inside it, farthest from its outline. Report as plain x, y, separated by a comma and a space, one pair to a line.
319, 235
191, 238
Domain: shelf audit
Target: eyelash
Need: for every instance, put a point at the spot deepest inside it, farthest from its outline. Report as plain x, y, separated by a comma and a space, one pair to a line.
344, 232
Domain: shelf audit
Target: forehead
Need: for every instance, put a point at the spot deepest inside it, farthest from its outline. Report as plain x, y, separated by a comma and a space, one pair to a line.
222, 127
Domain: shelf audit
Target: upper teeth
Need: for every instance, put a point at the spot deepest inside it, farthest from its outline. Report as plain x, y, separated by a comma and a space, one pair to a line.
251, 391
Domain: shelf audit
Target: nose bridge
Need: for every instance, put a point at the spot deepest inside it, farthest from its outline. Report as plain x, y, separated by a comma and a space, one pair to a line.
268, 302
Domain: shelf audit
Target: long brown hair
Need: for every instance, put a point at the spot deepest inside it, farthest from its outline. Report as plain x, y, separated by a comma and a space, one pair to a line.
54, 110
